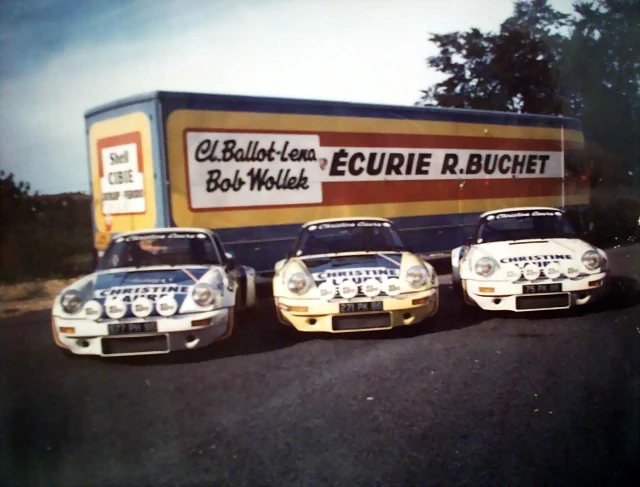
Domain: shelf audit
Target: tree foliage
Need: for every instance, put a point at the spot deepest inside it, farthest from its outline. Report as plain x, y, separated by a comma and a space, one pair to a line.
515, 69
42, 235
16, 202
542, 61
602, 62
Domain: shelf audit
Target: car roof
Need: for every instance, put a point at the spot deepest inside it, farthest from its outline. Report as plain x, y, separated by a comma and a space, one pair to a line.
345, 219
520, 208
164, 230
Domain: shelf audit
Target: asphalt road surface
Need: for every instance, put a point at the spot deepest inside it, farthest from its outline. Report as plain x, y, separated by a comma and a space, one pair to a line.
466, 399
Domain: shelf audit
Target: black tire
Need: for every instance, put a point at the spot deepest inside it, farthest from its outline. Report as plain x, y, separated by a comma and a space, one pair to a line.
69, 355
458, 291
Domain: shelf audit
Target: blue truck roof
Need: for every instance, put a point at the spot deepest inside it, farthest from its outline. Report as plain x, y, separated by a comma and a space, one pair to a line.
325, 107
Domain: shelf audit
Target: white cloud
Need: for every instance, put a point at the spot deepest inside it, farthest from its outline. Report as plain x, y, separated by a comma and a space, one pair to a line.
366, 51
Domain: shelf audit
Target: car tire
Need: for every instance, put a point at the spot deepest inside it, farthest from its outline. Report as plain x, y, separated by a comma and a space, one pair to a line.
247, 314
457, 290
461, 294
68, 354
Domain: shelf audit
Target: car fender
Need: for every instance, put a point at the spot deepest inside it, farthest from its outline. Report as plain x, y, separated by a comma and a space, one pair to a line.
249, 300
279, 265
84, 286
457, 258
433, 275
279, 280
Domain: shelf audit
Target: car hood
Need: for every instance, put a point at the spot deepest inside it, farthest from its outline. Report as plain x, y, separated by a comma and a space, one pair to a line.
540, 251
151, 283
357, 267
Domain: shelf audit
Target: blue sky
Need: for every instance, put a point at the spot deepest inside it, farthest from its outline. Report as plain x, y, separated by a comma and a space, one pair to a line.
59, 58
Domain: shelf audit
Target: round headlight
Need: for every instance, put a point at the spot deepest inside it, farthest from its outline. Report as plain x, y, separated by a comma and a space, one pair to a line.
71, 301
93, 309
417, 276
298, 283
115, 307
552, 270
591, 260
142, 307
531, 272
327, 290
166, 305
570, 268
485, 266
371, 288
392, 286
348, 289
512, 272
203, 294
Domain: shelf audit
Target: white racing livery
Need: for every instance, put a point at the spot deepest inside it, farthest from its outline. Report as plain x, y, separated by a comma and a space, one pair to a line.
154, 291
528, 259
353, 274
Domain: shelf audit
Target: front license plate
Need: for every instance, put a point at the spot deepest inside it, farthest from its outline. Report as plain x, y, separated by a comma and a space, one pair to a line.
129, 328
361, 307
556, 287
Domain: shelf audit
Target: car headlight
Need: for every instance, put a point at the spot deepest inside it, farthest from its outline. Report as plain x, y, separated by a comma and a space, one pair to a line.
298, 283
485, 266
71, 301
416, 276
203, 294
591, 260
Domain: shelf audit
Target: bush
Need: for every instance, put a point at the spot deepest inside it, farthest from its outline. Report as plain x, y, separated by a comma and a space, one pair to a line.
615, 212
44, 236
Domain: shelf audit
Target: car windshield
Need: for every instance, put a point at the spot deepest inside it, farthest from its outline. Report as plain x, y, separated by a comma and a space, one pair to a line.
524, 225
348, 236
174, 249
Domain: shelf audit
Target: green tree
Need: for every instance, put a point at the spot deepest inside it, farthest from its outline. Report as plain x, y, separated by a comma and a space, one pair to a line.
516, 69
17, 203
42, 236
541, 61
545, 62
602, 62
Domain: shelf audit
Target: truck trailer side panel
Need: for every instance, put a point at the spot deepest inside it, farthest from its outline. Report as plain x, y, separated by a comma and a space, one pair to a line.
254, 169
431, 170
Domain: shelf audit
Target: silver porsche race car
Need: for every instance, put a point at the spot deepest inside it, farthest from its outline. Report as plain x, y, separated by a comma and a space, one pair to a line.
154, 291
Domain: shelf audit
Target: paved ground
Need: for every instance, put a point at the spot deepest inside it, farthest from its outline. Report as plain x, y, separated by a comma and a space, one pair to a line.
470, 399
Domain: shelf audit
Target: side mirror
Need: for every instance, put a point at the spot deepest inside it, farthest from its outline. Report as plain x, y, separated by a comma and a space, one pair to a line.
291, 254
230, 260
278, 266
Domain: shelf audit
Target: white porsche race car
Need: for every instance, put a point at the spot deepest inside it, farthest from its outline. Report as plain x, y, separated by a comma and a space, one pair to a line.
528, 259
353, 274
154, 291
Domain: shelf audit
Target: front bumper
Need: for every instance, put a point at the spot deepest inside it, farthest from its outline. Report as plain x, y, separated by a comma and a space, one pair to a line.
180, 332
310, 315
508, 296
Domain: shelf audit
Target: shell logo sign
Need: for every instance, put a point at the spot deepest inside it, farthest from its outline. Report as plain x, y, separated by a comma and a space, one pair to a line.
122, 174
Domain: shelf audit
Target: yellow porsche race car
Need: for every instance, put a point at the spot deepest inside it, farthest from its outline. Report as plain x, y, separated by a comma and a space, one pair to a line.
353, 274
